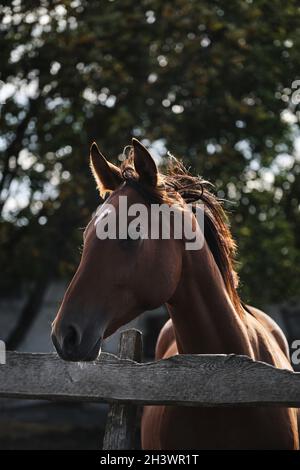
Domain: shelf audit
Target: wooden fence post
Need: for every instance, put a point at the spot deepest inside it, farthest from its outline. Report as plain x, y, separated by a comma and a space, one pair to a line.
122, 419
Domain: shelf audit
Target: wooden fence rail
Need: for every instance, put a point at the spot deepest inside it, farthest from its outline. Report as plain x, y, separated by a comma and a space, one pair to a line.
188, 380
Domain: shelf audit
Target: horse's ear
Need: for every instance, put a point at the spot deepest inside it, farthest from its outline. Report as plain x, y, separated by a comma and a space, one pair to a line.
107, 176
144, 164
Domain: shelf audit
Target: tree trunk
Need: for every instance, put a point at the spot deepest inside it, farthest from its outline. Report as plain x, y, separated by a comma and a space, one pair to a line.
28, 314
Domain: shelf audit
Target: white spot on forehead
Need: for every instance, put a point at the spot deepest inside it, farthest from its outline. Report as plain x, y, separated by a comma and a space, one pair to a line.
102, 212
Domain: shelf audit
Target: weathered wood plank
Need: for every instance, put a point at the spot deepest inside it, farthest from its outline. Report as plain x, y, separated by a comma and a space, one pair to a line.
122, 419
205, 380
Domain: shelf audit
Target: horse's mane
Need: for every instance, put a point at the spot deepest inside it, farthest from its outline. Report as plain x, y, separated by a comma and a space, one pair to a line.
177, 184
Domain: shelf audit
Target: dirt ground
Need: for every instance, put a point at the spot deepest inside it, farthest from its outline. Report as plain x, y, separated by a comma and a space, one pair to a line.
43, 425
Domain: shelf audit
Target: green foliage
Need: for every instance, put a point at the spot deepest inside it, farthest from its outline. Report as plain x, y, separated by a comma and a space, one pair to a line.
207, 79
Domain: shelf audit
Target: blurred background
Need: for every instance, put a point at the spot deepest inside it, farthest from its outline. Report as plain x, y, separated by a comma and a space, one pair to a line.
216, 83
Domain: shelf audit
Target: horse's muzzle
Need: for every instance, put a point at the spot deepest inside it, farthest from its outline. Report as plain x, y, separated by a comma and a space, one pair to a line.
71, 346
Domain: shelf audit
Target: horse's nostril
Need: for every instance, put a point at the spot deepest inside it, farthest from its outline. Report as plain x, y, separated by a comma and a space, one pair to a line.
71, 339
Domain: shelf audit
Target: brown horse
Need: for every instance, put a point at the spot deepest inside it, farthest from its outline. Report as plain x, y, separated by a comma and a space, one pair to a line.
119, 279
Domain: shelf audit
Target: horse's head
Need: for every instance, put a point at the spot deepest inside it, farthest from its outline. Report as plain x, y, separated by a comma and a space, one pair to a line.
118, 278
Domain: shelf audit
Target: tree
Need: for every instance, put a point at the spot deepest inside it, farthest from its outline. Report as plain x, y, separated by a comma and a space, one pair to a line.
208, 80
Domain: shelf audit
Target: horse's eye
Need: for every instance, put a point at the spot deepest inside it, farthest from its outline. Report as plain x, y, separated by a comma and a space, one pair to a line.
129, 243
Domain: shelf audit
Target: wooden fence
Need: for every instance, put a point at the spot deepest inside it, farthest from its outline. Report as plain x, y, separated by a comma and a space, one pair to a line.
126, 383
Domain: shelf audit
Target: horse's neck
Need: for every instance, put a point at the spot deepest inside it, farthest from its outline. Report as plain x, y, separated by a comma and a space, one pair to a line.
204, 319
